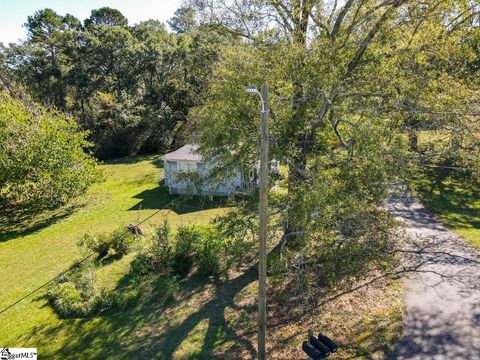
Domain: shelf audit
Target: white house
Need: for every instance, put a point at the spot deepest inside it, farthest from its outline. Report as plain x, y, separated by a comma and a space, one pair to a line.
183, 164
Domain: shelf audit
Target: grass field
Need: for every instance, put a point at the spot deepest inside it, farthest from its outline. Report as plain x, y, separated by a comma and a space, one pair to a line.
35, 249
453, 202
206, 319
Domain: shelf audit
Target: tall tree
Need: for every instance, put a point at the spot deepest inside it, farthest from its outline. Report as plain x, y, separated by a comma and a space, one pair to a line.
106, 16
342, 65
45, 63
44, 159
183, 21
131, 87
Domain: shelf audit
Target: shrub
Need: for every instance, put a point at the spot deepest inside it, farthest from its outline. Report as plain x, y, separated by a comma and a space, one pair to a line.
209, 248
68, 301
73, 295
98, 243
183, 257
110, 300
182, 264
121, 241
104, 301
160, 250
170, 288
142, 264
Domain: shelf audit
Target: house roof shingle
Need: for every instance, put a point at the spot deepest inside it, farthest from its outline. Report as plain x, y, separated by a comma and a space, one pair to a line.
185, 153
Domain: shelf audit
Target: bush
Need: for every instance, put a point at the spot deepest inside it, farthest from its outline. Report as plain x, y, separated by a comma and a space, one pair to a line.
183, 257
115, 300
73, 295
98, 243
157, 257
182, 264
170, 288
209, 248
121, 241
142, 264
161, 251
66, 300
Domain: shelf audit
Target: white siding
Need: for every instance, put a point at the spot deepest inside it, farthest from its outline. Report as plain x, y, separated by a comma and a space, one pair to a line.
176, 185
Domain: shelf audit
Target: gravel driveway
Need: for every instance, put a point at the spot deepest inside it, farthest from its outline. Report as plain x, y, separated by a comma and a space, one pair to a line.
442, 296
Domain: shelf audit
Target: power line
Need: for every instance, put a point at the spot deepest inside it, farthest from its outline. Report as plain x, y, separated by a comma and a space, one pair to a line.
78, 263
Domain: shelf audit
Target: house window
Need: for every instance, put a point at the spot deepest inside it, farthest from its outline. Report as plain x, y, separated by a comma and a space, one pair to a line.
172, 165
200, 167
187, 166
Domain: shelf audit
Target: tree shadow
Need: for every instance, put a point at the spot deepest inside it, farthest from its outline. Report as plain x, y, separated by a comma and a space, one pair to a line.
453, 201
147, 330
24, 222
430, 336
156, 329
153, 158
159, 197
213, 311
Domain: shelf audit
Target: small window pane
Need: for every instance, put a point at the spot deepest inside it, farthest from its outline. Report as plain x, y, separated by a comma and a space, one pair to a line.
172, 165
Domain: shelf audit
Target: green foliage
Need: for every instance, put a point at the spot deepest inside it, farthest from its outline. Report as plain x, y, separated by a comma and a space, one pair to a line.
73, 294
67, 300
116, 300
106, 16
121, 241
347, 103
183, 21
96, 243
157, 256
142, 264
161, 250
238, 228
184, 245
130, 86
202, 246
43, 158
209, 250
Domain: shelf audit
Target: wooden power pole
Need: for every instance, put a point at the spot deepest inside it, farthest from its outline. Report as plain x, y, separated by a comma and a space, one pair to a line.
263, 219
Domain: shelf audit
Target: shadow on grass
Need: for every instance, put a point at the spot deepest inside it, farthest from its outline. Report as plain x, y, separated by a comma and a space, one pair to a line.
127, 160
456, 203
21, 223
159, 198
150, 329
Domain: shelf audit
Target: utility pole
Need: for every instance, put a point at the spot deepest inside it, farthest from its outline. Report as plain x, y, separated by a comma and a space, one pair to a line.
263, 220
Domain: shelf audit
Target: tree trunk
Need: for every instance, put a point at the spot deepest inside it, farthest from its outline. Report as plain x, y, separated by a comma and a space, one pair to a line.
412, 124
296, 178
413, 140
297, 159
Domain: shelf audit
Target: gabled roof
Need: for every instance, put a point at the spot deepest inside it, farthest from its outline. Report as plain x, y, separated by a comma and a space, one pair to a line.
185, 153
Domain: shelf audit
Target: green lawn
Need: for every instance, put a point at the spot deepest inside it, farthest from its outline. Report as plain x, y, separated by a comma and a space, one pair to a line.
454, 202
36, 248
